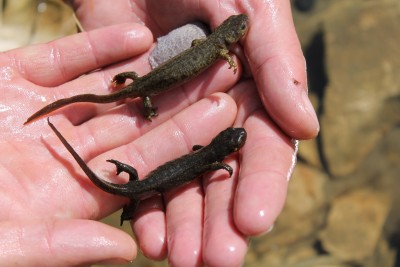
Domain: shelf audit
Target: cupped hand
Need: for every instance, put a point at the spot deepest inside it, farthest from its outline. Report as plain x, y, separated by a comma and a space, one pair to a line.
272, 105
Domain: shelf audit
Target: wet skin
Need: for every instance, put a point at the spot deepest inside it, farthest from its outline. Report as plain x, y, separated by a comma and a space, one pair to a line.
168, 176
175, 71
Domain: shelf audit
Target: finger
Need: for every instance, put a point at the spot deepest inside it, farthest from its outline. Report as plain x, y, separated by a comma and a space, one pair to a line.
278, 67
247, 99
59, 61
104, 13
63, 243
223, 244
267, 162
149, 226
268, 159
184, 225
159, 16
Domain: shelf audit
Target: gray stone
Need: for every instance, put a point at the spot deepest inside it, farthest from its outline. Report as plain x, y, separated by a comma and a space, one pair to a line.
176, 42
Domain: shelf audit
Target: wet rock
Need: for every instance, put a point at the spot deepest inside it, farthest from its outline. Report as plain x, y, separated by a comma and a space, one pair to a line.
382, 169
304, 5
320, 261
308, 149
26, 22
308, 152
384, 256
354, 225
361, 101
279, 256
307, 24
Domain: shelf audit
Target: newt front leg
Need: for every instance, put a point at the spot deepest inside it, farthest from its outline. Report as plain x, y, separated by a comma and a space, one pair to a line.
224, 54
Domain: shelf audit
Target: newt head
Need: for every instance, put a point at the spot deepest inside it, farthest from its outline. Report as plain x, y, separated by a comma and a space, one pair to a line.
234, 28
228, 141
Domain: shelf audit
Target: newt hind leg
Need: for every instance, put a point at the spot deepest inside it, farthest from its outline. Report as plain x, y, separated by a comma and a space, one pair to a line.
122, 167
129, 210
149, 110
120, 78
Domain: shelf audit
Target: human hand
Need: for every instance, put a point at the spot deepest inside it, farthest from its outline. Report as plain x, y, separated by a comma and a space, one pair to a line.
45, 199
250, 204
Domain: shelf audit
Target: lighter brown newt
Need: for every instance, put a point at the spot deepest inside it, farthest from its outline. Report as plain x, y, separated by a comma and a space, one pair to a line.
175, 71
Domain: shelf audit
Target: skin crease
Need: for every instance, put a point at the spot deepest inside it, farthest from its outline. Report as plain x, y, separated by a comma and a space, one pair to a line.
244, 205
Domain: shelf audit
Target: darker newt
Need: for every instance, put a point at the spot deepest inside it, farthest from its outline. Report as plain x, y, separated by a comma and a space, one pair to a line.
173, 72
168, 176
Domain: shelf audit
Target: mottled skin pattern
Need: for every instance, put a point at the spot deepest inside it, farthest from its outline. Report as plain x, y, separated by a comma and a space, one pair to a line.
171, 175
173, 72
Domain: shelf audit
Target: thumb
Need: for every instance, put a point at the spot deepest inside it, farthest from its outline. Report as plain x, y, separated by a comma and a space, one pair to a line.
63, 243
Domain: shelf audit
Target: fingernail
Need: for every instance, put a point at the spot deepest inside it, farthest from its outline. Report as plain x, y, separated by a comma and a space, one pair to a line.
308, 107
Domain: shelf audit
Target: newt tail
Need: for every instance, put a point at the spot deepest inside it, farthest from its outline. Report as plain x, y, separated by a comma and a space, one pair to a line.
89, 98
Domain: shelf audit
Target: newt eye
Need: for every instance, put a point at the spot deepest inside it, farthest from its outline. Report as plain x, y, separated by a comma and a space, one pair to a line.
241, 139
243, 26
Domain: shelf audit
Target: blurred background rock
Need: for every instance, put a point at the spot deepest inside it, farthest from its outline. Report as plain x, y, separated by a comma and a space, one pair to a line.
344, 197
24, 22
